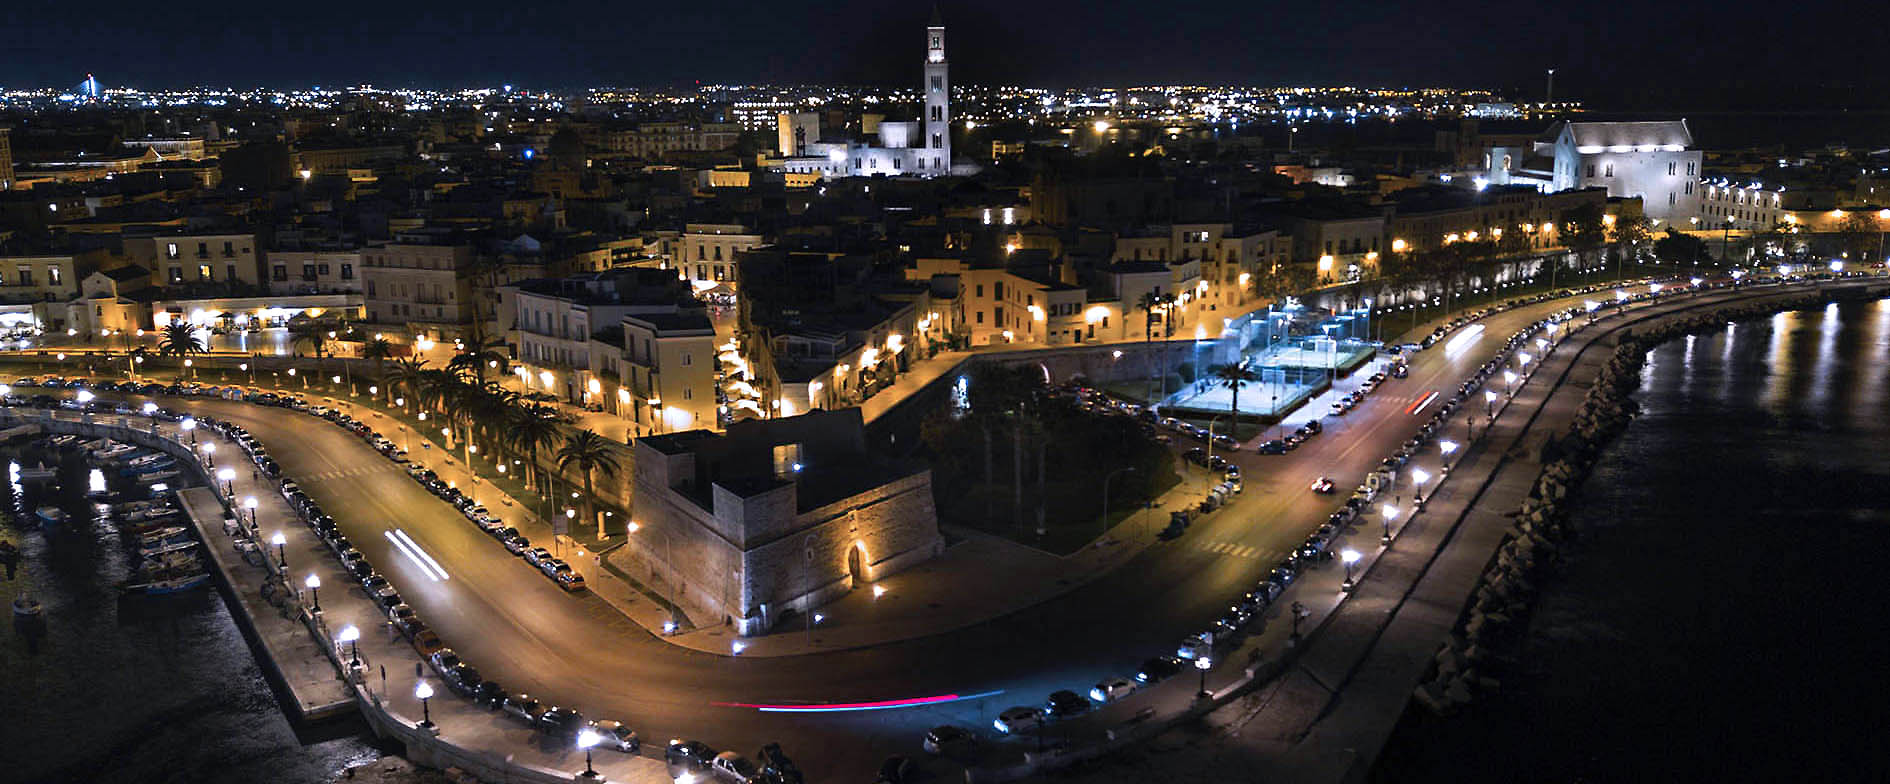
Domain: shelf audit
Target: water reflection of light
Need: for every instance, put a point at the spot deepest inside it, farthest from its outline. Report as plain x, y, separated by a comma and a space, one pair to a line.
1686, 366
1825, 369
1777, 360
1870, 400
96, 482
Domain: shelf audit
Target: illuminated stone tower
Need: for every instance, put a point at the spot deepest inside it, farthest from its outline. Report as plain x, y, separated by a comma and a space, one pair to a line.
935, 159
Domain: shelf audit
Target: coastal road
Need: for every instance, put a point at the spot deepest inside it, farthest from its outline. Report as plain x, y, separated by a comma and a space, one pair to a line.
519, 628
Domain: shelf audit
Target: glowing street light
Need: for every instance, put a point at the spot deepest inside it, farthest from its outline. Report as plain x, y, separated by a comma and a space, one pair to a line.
424, 691
149, 409
1419, 477
1348, 556
586, 738
314, 584
280, 541
1509, 380
1203, 664
1446, 447
250, 504
228, 476
352, 636
1386, 514
1489, 397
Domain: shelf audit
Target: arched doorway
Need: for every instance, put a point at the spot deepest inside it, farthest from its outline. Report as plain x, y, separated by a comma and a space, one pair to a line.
856, 564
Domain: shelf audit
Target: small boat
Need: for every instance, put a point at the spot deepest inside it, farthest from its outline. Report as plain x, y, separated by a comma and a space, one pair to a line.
161, 548
148, 458
38, 473
135, 506
63, 440
157, 476
166, 585
113, 451
175, 559
50, 516
161, 534
153, 513
160, 464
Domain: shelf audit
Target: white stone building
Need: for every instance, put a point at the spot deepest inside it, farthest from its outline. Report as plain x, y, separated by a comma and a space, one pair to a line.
922, 148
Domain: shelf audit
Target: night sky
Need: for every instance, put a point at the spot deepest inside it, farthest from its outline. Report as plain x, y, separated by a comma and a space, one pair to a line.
1598, 49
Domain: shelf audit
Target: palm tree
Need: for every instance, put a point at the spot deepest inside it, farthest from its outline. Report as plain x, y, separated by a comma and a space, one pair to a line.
179, 340
379, 350
312, 332
478, 357
408, 374
590, 453
1232, 375
1153, 305
532, 428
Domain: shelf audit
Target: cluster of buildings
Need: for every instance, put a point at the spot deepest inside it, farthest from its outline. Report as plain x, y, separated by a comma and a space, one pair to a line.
722, 278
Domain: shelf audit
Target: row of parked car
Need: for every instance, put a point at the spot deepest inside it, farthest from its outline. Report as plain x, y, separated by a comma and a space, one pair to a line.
458, 675
1241, 612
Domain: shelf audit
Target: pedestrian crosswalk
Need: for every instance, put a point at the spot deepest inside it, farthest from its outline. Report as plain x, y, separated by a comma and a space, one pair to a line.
1238, 550
345, 473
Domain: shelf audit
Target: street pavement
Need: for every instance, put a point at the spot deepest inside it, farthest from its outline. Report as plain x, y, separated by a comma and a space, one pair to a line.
519, 628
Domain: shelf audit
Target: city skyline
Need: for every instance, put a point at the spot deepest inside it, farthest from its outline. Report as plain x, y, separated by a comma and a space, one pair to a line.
725, 41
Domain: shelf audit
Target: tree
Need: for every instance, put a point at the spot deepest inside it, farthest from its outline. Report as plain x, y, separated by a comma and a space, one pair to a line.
1858, 236
477, 357
589, 453
1584, 231
1632, 233
1155, 306
1678, 248
378, 351
311, 332
408, 374
532, 428
179, 340
1232, 375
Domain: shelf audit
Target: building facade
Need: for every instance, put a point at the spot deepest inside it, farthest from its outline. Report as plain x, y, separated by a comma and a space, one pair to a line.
920, 148
421, 281
190, 258
774, 518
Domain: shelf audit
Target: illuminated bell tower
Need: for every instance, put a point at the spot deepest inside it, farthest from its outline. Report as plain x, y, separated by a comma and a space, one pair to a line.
935, 159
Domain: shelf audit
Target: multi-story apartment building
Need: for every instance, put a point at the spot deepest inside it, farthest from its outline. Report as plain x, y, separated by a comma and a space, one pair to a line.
657, 139
314, 271
183, 257
665, 369
605, 339
423, 280
1425, 219
708, 251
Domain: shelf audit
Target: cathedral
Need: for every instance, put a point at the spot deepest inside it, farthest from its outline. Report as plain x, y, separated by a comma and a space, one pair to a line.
922, 148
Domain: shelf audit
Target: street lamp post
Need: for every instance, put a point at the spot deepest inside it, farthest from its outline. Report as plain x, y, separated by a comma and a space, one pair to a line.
351, 636
189, 425
228, 475
1489, 398
1447, 447
1509, 382
280, 541
586, 738
314, 584
424, 691
1349, 557
250, 504
1386, 514
1203, 664
1419, 476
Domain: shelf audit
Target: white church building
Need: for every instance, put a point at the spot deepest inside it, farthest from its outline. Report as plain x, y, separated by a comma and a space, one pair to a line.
1651, 160
922, 148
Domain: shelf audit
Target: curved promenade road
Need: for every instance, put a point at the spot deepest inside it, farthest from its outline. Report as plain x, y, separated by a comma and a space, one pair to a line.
576, 650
